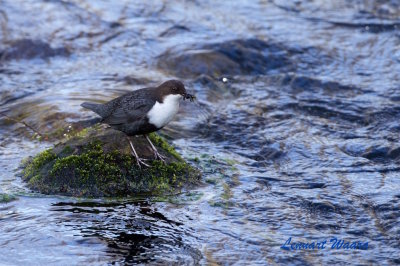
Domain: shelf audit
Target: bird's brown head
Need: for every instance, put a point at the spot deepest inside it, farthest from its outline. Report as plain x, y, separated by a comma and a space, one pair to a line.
174, 87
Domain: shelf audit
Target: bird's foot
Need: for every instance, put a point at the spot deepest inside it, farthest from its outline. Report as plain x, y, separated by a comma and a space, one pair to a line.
158, 156
139, 161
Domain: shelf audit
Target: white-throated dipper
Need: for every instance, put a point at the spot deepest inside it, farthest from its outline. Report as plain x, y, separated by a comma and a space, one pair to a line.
142, 111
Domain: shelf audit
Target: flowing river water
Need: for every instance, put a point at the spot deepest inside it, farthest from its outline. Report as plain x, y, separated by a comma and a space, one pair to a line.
296, 128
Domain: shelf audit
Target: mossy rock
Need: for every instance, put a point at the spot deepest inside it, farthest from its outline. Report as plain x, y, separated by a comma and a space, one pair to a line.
97, 162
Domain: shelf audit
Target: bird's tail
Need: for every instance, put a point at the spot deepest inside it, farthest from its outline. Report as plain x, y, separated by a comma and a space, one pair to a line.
95, 107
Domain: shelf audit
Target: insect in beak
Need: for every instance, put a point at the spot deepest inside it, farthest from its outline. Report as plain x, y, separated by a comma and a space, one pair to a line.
189, 96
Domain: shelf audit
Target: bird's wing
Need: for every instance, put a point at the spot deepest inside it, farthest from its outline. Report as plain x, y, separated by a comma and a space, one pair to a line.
128, 108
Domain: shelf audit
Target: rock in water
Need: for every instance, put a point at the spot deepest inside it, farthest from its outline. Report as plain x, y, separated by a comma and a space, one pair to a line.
29, 49
235, 57
97, 162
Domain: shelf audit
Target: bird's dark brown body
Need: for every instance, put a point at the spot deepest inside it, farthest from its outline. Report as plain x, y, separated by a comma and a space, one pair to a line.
129, 113
142, 111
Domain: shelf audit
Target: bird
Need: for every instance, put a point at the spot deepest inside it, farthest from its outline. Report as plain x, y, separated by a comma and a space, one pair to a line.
142, 111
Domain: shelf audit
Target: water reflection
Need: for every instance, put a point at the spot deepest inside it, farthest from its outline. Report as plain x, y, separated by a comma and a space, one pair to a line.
134, 232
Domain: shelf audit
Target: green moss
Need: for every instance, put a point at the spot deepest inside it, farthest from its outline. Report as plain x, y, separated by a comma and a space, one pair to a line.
67, 150
90, 171
58, 133
165, 178
34, 166
161, 142
35, 179
84, 132
5, 198
92, 167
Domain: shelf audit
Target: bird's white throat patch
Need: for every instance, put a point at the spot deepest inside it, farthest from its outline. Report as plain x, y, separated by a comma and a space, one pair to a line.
162, 113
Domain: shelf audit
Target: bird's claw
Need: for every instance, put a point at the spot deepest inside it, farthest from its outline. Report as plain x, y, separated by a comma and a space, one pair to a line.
141, 162
138, 160
159, 156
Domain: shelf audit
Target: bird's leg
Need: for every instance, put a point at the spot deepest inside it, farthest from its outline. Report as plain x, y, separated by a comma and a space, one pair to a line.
138, 160
156, 154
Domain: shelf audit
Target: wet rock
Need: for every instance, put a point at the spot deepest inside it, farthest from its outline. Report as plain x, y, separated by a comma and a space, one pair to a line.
394, 153
132, 80
197, 62
236, 57
129, 79
97, 162
29, 49
301, 83
216, 88
382, 154
375, 16
368, 27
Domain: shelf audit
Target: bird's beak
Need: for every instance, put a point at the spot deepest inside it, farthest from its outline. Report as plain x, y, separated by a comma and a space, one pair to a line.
189, 96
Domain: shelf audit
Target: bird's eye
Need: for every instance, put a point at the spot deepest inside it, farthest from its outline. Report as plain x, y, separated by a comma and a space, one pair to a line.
174, 88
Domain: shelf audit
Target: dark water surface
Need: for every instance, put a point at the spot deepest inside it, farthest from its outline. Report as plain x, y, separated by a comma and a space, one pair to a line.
296, 128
